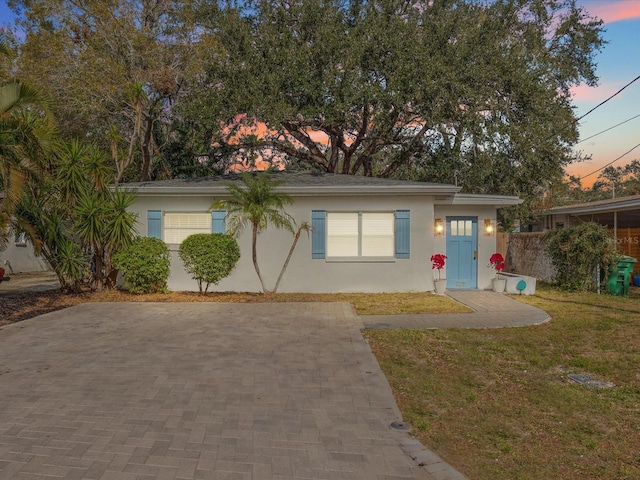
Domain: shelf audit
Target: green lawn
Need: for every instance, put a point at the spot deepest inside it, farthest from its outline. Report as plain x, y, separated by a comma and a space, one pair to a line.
497, 404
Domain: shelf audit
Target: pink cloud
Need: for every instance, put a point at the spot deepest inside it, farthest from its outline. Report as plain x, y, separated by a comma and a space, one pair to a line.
585, 93
613, 10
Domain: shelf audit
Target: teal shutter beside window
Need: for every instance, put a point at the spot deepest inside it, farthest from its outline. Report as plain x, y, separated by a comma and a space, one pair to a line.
403, 233
154, 224
218, 224
318, 233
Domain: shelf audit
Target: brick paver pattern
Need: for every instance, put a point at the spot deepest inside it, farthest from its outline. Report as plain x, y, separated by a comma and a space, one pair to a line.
126, 391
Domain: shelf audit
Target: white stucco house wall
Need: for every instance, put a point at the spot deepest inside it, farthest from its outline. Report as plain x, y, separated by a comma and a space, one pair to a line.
369, 234
20, 257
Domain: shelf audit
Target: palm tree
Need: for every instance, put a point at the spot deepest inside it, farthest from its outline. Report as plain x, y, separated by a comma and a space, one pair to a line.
256, 203
104, 226
24, 141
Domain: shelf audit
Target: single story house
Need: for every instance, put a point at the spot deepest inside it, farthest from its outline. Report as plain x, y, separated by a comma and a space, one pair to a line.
369, 234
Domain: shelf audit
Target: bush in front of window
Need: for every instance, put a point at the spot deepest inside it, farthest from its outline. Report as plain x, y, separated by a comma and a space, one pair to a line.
209, 257
145, 265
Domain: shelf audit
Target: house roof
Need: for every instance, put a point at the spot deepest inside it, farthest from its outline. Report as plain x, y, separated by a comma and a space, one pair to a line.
322, 184
626, 209
296, 183
600, 206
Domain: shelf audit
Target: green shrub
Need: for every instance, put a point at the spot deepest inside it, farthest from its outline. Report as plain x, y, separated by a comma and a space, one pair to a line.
145, 265
209, 257
576, 252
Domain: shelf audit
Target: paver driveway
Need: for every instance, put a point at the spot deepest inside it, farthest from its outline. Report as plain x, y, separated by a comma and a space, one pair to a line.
196, 391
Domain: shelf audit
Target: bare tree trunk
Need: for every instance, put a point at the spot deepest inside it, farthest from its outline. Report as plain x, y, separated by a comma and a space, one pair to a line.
254, 251
99, 265
296, 237
286, 263
145, 171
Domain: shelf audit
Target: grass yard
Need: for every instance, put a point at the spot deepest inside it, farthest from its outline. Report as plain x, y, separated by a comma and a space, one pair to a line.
497, 404
22, 305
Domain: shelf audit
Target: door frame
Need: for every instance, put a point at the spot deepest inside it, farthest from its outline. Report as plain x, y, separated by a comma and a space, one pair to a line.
471, 258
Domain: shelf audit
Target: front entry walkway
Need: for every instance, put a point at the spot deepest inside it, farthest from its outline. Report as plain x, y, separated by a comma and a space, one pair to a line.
124, 391
490, 310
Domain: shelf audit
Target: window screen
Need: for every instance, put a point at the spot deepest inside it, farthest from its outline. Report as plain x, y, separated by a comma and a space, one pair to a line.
178, 226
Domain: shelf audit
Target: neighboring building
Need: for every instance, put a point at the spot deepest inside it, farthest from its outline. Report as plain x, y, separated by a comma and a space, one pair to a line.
620, 215
623, 212
19, 257
369, 234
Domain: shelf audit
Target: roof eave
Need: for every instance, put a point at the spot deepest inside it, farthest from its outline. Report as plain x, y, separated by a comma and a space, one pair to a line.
587, 209
302, 191
486, 200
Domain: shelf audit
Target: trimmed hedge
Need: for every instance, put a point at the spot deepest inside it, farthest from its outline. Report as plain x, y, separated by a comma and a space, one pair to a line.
145, 265
209, 257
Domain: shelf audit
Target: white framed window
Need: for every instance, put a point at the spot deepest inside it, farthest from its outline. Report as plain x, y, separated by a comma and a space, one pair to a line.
342, 234
21, 240
178, 226
360, 234
461, 228
377, 234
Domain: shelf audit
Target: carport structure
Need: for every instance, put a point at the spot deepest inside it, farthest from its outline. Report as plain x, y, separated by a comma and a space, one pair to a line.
620, 215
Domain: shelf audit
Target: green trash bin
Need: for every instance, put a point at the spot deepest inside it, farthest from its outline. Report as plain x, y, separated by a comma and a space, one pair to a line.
620, 276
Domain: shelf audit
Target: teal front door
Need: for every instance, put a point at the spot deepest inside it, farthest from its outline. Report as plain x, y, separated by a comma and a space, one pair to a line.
462, 252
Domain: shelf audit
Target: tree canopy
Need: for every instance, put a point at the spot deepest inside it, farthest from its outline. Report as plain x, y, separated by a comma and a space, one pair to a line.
473, 93
115, 68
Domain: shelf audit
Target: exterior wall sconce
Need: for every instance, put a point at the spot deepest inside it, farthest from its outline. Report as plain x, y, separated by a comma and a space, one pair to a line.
489, 227
439, 227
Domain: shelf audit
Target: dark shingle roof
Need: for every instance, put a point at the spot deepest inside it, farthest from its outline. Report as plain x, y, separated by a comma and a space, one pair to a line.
295, 183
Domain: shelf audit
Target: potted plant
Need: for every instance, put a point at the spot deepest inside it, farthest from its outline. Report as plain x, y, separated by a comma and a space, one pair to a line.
438, 261
496, 261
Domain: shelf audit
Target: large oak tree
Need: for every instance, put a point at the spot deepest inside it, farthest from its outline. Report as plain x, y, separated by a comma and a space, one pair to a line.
456, 91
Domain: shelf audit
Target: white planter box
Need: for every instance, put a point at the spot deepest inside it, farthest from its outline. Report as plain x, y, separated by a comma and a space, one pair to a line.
512, 283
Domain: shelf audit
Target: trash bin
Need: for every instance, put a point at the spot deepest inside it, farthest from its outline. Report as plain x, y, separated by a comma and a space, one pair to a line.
620, 276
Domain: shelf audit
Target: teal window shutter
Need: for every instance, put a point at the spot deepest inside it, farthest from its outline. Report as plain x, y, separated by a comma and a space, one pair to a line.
318, 233
218, 224
154, 224
403, 233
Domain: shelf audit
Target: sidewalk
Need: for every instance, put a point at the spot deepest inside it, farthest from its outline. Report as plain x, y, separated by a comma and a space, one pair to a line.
490, 310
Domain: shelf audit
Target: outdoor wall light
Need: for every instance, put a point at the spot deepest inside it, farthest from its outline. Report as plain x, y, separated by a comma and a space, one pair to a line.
489, 227
439, 227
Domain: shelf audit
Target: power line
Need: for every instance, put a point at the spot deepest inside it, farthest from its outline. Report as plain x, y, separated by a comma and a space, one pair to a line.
576, 120
605, 101
598, 106
610, 163
610, 128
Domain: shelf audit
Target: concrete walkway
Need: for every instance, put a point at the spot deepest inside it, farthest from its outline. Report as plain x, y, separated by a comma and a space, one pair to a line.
29, 281
125, 391
490, 310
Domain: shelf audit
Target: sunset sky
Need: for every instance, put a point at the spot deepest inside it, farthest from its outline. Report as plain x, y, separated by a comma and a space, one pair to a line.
618, 64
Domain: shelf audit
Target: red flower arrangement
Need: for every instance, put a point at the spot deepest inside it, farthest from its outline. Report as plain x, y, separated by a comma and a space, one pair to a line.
437, 262
496, 261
